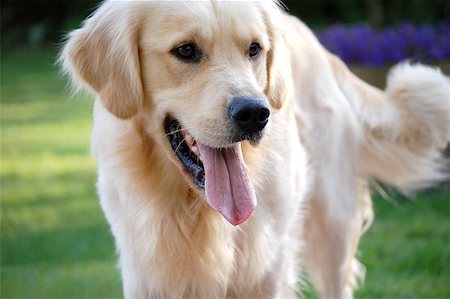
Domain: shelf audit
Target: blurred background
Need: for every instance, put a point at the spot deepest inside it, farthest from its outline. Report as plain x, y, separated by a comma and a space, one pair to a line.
55, 242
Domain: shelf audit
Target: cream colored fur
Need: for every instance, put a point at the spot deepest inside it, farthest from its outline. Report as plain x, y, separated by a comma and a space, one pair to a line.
328, 134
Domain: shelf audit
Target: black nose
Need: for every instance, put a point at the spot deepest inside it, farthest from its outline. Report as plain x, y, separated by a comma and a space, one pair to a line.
249, 114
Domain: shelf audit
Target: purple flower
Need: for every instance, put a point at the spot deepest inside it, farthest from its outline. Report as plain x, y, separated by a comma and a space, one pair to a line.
360, 44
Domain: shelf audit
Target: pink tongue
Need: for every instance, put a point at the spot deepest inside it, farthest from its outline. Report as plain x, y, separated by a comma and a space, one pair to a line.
227, 184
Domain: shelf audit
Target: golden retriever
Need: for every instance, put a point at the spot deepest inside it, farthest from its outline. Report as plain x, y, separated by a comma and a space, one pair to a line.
234, 151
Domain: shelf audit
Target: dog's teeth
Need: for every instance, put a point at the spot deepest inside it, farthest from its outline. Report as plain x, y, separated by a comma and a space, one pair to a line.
194, 149
189, 139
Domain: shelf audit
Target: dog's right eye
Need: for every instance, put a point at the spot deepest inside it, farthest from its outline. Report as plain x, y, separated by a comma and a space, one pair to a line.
187, 52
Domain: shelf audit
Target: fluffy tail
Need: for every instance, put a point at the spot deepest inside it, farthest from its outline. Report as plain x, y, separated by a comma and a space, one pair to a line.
405, 128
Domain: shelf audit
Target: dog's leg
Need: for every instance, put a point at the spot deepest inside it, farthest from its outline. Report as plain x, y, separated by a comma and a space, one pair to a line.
333, 213
331, 244
400, 134
110, 203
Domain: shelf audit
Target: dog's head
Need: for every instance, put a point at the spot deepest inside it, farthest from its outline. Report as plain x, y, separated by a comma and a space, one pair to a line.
204, 75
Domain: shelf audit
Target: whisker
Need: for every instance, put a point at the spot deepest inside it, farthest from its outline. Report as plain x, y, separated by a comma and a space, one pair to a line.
176, 131
178, 146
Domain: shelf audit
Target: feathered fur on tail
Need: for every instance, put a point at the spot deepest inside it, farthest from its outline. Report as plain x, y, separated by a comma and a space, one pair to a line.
405, 127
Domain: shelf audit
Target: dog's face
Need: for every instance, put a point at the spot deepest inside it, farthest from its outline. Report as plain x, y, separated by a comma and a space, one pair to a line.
203, 68
203, 75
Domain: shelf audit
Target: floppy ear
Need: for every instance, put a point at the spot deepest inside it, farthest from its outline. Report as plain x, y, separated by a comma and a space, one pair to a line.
103, 55
277, 64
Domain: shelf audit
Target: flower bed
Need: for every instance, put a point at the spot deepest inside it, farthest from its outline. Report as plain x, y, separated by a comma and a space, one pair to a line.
359, 44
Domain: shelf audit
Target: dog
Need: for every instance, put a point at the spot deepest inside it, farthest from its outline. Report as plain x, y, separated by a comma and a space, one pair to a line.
235, 153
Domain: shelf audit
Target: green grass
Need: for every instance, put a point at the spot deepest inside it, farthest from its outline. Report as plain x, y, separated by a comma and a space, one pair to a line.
55, 242
407, 249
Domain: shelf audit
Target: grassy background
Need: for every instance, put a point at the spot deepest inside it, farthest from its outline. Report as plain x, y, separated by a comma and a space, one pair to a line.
55, 242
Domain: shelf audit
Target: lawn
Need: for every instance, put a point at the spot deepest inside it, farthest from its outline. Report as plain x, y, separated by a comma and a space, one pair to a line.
55, 242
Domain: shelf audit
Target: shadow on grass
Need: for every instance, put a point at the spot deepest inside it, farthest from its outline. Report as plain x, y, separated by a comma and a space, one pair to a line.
66, 246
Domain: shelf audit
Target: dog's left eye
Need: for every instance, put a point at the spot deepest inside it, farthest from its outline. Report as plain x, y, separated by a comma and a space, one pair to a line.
254, 50
187, 53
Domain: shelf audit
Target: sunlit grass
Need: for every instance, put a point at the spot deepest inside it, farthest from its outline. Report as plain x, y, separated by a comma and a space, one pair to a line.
407, 251
55, 242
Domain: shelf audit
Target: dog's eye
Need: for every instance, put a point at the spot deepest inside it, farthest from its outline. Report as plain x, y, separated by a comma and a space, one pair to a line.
254, 50
187, 53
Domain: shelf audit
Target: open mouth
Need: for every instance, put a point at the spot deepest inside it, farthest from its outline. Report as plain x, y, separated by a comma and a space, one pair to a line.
220, 172
185, 148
